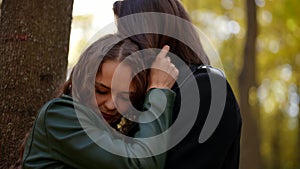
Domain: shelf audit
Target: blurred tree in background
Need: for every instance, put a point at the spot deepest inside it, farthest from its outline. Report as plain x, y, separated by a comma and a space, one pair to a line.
81, 26
276, 83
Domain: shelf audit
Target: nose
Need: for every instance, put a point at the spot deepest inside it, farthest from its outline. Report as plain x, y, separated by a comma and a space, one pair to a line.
109, 104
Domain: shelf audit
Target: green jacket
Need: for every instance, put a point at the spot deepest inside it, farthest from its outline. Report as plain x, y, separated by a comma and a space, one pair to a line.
58, 139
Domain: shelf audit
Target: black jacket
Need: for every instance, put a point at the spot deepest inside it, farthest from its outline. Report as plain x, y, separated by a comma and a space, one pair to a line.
221, 150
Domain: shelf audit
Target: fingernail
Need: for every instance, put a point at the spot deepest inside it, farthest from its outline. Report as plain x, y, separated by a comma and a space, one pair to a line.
166, 47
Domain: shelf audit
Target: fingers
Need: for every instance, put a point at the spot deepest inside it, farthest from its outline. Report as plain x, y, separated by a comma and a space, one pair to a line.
168, 59
163, 53
163, 73
163, 61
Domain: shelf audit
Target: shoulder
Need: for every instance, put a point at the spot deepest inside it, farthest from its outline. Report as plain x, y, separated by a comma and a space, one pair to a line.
65, 116
67, 112
56, 107
208, 87
200, 77
200, 73
57, 103
64, 109
213, 81
207, 72
213, 84
60, 111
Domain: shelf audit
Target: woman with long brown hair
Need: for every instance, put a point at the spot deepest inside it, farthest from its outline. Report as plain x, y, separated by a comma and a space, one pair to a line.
71, 131
211, 138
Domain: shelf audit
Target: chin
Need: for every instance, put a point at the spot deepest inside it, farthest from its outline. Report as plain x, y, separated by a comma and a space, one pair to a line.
113, 122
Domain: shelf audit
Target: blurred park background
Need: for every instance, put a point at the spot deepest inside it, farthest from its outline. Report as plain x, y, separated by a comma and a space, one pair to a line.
258, 42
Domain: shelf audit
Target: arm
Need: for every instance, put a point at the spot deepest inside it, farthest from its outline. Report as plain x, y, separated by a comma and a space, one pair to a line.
70, 143
67, 137
64, 136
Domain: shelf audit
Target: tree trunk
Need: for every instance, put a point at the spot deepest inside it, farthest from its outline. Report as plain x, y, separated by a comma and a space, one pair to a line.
250, 144
297, 161
34, 40
275, 142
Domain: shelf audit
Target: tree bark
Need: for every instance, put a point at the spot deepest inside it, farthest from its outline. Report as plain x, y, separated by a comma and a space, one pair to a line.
250, 144
297, 161
34, 40
275, 141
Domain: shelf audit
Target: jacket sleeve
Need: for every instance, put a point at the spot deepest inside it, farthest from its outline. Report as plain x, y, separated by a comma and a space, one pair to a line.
67, 136
221, 149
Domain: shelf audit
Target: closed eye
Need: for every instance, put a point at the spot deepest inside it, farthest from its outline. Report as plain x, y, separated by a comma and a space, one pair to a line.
101, 88
101, 92
124, 97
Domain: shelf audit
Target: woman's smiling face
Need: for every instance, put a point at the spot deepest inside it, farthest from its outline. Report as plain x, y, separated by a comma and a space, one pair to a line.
113, 95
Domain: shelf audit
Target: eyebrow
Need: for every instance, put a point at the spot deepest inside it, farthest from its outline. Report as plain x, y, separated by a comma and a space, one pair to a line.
130, 93
102, 85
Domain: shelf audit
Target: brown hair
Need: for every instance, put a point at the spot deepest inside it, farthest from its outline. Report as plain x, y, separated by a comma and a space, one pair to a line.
110, 47
150, 40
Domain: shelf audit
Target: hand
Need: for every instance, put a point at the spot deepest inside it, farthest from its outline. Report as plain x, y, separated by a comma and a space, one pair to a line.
163, 73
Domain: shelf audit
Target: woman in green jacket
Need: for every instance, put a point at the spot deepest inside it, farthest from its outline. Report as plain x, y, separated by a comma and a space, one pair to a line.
86, 126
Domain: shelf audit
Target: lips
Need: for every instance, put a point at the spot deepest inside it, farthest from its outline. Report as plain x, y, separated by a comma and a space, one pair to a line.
109, 117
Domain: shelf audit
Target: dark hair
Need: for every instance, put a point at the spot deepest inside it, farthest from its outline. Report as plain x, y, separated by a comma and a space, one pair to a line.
167, 26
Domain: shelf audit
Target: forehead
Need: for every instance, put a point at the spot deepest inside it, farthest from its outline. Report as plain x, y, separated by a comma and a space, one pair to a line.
115, 75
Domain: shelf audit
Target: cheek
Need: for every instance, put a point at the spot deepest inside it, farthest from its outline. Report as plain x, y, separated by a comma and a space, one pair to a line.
123, 106
100, 100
